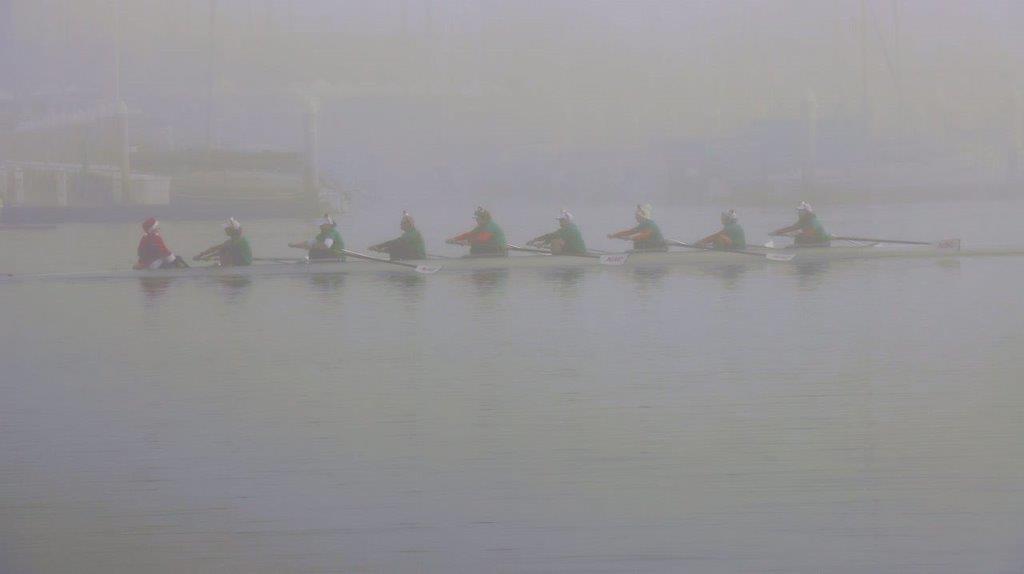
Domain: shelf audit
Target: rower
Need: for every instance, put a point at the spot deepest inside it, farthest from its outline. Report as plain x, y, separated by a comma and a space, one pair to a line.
409, 245
235, 252
646, 236
731, 235
566, 240
486, 239
327, 244
807, 231
153, 253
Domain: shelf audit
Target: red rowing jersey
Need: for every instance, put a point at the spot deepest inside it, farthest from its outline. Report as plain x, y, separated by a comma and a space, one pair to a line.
152, 249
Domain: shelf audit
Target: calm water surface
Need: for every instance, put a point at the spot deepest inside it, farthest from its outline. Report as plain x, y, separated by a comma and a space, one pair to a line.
855, 417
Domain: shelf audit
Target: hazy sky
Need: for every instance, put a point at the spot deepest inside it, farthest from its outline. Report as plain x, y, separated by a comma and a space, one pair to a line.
743, 58
559, 76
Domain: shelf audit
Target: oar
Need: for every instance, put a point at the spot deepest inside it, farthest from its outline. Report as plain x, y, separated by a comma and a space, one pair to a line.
769, 256
282, 259
953, 244
605, 259
528, 249
425, 269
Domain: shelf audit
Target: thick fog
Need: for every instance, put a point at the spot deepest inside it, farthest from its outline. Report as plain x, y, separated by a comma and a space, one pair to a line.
375, 286
682, 101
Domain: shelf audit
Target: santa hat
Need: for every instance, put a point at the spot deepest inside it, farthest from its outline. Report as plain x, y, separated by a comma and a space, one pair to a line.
150, 224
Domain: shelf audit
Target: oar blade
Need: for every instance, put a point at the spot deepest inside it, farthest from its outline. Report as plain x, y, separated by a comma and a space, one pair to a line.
614, 258
780, 256
951, 244
427, 269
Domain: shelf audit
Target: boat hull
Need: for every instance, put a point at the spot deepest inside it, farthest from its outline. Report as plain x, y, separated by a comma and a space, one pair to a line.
469, 264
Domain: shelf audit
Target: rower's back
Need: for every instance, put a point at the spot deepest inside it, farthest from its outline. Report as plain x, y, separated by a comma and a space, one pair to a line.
494, 246
737, 237
336, 247
813, 233
572, 240
654, 241
410, 245
236, 252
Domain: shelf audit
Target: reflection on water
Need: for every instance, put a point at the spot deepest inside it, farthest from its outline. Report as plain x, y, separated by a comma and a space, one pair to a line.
154, 288
730, 275
648, 278
409, 287
650, 421
810, 273
327, 283
489, 281
408, 282
566, 281
234, 286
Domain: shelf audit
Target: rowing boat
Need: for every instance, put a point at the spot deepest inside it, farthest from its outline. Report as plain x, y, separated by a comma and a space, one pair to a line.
535, 261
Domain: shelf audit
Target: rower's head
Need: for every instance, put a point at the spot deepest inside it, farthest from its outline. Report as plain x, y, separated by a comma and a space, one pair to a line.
565, 218
643, 212
151, 225
481, 215
408, 223
326, 222
804, 210
730, 217
232, 227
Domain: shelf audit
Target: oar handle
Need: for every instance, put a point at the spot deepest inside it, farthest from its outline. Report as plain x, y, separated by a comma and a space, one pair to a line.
867, 240
282, 259
945, 242
701, 247
511, 247
425, 269
769, 256
365, 257
546, 252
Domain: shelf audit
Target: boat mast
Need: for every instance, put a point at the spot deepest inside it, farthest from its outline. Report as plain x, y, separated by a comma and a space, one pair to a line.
117, 52
211, 74
864, 65
898, 75
123, 192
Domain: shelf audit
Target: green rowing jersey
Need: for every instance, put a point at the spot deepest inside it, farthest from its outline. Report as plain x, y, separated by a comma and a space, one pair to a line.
571, 238
335, 246
655, 242
736, 235
409, 245
236, 252
818, 234
490, 240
